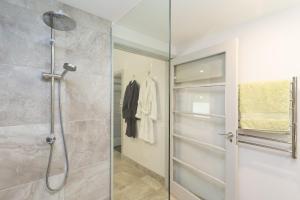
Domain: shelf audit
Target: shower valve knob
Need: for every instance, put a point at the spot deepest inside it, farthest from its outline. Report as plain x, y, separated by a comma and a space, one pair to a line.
51, 139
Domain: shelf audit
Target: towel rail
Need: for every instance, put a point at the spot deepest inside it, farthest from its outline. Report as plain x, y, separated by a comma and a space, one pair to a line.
294, 117
266, 131
292, 132
265, 146
264, 138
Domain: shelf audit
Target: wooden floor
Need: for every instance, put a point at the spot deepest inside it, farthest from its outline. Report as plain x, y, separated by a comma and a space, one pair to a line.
132, 183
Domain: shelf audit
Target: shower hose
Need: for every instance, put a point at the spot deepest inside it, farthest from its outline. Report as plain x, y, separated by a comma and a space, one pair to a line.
66, 170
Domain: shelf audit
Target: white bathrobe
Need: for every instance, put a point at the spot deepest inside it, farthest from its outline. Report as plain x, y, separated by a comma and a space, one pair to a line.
147, 110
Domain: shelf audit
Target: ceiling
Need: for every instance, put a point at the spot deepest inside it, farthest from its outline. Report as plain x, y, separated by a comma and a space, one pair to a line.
194, 19
149, 17
191, 19
111, 10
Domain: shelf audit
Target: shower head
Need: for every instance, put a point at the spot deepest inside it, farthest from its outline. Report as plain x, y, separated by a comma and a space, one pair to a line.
70, 67
59, 21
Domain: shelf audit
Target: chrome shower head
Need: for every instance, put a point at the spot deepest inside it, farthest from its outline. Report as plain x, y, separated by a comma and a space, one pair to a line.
59, 21
70, 67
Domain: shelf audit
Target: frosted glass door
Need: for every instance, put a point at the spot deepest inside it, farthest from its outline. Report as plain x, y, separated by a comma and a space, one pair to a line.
202, 144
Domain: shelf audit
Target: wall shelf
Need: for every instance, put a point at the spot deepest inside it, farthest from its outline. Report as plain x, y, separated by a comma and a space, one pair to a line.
199, 115
199, 86
202, 144
200, 172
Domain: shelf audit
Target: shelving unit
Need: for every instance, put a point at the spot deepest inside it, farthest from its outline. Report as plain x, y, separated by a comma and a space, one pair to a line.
203, 148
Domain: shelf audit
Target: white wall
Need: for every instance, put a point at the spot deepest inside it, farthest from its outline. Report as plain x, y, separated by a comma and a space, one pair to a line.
151, 156
268, 50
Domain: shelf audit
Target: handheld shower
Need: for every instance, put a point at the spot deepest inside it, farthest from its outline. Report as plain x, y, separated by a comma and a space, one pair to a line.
68, 67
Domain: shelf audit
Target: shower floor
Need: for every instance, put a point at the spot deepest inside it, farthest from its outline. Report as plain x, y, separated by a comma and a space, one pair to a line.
132, 183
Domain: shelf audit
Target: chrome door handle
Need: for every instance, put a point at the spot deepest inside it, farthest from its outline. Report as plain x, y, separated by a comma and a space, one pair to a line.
228, 135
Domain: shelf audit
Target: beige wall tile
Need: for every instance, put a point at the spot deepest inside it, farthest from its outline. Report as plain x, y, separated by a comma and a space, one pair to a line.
89, 183
25, 102
33, 191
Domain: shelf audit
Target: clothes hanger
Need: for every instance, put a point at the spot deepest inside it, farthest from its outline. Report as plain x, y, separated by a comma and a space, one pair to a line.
133, 78
150, 70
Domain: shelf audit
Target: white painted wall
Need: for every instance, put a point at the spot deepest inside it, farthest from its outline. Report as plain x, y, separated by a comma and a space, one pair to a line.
151, 156
268, 50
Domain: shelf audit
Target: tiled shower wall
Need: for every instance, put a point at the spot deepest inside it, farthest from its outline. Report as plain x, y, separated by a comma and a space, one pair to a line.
25, 103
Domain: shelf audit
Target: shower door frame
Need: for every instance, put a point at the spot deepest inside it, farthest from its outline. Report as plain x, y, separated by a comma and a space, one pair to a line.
230, 49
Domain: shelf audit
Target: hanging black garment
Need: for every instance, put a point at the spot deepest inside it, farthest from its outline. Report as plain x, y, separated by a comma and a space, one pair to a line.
129, 108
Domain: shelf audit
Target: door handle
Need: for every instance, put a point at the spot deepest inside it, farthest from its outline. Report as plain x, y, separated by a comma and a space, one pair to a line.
228, 135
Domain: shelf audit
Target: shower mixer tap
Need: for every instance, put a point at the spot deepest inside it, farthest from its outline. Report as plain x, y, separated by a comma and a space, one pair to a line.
67, 67
51, 139
48, 76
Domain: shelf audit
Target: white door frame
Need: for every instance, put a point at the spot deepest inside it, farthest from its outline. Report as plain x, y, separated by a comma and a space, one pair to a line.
230, 49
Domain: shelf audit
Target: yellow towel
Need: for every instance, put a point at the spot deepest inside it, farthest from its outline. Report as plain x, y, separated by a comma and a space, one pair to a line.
265, 106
